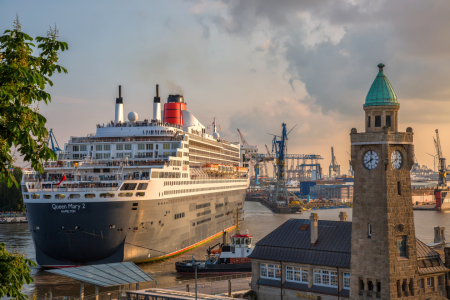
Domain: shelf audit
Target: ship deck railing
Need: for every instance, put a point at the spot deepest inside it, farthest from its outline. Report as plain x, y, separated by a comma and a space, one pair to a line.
135, 162
94, 189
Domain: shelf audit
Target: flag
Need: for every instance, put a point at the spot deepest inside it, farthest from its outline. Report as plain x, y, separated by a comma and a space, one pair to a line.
63, 179
213, 123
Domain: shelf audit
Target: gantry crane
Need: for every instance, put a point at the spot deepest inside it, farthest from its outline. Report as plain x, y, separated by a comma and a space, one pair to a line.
334, 167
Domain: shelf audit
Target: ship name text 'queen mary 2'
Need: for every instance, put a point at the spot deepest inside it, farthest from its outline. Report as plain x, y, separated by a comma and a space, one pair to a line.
135, 190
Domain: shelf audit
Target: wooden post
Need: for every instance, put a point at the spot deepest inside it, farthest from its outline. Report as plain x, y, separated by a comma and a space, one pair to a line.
81, 291
229, 287
187, 288
96, 292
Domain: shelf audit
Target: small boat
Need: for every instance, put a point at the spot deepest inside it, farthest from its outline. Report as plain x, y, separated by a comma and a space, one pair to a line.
227, 259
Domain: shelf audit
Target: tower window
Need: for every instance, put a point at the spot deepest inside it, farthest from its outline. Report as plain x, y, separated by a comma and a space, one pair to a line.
399, 188
377, 121
368, 121
388, 121
401, 246
369, 231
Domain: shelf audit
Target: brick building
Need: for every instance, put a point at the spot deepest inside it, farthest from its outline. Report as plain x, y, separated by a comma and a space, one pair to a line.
377, 255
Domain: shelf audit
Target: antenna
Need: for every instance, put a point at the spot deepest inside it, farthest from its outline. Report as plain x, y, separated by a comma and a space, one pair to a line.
157, 90
120, 91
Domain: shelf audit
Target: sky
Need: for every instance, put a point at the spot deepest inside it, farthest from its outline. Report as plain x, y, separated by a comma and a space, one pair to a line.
252, 64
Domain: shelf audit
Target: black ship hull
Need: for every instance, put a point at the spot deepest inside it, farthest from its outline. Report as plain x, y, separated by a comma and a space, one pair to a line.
94, 232
217, 269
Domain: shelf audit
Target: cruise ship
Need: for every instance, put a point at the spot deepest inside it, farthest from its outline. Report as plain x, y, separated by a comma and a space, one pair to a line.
135, 190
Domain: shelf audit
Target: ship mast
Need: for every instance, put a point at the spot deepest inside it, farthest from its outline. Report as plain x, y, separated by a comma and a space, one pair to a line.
237, 219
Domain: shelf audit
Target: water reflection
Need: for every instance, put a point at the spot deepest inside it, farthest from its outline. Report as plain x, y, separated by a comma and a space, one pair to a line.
258, 220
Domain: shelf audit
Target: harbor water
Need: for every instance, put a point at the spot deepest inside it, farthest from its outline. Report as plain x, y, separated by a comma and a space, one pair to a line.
258, 220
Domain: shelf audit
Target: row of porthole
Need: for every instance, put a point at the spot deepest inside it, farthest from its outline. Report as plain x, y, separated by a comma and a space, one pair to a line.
88, 196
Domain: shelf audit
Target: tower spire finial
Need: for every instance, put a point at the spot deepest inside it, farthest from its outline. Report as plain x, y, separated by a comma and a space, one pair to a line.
381, 66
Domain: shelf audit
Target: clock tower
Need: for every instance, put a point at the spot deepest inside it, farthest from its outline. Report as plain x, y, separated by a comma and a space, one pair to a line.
383, 250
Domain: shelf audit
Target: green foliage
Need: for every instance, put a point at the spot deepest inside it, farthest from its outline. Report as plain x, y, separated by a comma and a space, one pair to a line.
23, 78
14, 272
11, 197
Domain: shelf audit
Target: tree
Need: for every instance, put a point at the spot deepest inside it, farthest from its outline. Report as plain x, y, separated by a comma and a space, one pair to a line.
23, 78
11, 197
14, 272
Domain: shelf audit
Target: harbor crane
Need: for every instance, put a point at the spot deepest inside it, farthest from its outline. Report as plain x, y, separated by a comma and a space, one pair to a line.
334, 167
434, 160
53, 141
441, 191
350, 167
273, 162
441, 162
248, 151
279, 145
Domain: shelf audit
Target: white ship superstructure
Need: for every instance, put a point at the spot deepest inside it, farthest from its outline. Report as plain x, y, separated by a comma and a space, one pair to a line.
135, 190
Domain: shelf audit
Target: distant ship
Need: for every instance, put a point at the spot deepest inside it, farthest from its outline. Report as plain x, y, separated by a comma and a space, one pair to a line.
135, 190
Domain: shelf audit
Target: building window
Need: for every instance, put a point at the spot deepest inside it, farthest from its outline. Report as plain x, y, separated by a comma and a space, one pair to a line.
347, 281
369, 231
166, 146
270, 271
119, 155
325, 278
377, 121
82, 147
119, 147
297, 274
149, 146
106, 147
368, 121
429, 281
399, 188
388, 121
127, 146
401, 246
98, 147
75, 148
421, 283
98, 155
174, 146
107, 155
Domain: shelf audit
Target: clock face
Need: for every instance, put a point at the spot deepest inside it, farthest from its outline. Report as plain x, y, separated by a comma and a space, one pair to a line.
396, 159
370, 160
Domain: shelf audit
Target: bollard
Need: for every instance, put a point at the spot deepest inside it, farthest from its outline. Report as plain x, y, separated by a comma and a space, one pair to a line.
187, 288
229, 287
50, 294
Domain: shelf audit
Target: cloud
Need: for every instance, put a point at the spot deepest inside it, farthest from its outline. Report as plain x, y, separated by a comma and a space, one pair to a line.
334, 46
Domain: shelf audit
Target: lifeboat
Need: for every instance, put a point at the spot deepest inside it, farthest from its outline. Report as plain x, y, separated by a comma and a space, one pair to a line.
210, 168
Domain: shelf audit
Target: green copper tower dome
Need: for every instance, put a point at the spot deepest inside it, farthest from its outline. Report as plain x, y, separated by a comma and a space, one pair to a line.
381, 91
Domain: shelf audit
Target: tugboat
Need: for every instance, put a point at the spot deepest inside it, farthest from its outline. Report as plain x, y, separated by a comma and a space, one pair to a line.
227, 259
